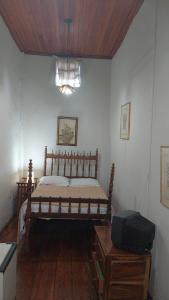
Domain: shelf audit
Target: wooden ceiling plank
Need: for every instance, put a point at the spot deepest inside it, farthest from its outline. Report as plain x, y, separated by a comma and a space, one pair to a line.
133, 11
61, 54
117, 19
98, 27
35, 24
5, 16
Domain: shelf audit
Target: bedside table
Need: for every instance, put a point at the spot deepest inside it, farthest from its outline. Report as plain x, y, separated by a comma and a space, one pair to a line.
117, 274
22, 186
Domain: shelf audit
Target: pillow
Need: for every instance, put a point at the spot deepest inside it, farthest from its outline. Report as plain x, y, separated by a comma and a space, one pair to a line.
84, 182
54, 180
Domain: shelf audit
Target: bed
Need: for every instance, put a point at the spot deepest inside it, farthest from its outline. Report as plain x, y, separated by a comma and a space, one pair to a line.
69, 189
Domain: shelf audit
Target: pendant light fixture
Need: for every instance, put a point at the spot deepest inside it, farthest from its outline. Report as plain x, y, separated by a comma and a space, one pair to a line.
68, 77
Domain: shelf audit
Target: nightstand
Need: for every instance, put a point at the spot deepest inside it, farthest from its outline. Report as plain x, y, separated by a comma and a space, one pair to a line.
22, 186
117, 274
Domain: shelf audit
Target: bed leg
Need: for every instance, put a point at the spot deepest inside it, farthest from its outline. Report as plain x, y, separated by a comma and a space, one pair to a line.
27, 233
107, 220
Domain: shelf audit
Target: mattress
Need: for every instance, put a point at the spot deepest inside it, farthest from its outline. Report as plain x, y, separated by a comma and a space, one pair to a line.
75, 192
85, 192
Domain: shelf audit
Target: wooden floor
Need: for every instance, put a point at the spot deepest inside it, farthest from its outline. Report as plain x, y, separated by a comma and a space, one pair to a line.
56, 266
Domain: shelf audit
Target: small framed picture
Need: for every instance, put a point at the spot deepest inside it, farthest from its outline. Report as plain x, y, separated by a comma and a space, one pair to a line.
125, 121
67, 131
164, 175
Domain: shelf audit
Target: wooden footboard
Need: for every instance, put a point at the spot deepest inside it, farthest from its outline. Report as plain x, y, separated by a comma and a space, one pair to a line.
78, 205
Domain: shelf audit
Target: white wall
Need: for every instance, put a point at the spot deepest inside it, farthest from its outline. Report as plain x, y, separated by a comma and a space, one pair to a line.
140, 72
43, 103
160, 136
132, 81
10, 122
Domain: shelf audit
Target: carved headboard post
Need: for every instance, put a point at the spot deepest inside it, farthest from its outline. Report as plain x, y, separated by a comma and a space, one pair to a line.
45, 158
52, 164
29, 186
111, 182
96, 166
29, 192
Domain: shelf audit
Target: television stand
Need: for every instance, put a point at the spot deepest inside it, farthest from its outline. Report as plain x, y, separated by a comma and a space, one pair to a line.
117, 274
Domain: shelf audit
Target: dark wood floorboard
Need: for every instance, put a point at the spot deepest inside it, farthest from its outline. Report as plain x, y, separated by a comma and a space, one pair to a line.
56, 265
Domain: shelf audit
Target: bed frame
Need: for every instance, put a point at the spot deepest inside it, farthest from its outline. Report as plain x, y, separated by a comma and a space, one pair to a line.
71, 165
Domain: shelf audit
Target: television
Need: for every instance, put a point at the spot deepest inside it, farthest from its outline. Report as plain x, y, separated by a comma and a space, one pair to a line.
132, 232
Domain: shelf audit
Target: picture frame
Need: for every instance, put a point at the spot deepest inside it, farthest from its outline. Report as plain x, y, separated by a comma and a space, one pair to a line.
125, 121
67, 128
164, 175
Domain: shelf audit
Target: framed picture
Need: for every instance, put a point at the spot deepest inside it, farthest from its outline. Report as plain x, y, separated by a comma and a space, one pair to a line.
125, 121
67, 131
164, 175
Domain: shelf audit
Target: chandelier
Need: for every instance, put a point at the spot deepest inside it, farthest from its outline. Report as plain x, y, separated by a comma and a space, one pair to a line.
68, 77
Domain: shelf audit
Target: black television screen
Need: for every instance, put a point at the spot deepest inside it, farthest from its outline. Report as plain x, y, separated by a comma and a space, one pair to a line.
132, 232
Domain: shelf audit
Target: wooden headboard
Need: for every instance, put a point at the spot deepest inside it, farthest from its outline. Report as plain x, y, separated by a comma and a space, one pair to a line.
71, 165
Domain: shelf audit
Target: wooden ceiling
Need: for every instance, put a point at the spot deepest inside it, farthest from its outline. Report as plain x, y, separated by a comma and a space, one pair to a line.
97, 30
